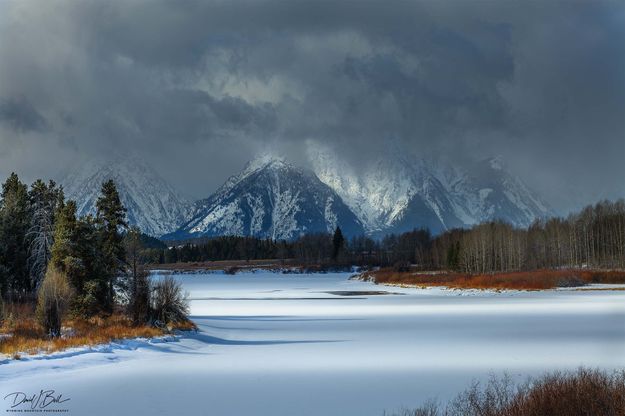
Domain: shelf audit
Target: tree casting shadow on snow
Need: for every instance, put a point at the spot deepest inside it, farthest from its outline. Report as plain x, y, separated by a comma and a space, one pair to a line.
267, 318
209, 339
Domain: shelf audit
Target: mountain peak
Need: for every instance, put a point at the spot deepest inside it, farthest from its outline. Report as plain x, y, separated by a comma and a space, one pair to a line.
153, 205
266, 160
399, 192
271, 198
496, 162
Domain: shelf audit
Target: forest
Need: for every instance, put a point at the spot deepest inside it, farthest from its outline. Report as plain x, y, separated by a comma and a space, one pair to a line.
591, 238
54, 265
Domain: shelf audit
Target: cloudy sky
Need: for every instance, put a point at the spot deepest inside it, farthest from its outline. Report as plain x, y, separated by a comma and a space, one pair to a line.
197, 88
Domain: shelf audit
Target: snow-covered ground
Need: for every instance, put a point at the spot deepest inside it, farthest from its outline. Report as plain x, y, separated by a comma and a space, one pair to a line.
275, 344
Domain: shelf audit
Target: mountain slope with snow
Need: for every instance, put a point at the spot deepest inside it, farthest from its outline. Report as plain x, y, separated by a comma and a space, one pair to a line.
486, 191
152, 204
270, 198
398, 192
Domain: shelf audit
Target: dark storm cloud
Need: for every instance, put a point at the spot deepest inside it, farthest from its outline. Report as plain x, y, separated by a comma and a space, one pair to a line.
183, 116
199, 87
20, 115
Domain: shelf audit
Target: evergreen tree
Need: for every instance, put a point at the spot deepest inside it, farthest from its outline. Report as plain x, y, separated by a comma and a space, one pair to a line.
92, 272
43, 204
338, 242
111, 221
14, 223
63, 253
76, 254
170, 255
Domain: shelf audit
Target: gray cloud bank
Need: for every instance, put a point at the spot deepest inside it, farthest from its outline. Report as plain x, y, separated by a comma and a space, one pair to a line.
197, 88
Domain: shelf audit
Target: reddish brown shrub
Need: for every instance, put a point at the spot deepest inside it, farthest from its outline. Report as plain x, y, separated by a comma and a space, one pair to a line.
529, 280
584, 392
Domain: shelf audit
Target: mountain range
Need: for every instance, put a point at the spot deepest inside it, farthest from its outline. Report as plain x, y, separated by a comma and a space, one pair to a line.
272, 198
152, 204
397, 192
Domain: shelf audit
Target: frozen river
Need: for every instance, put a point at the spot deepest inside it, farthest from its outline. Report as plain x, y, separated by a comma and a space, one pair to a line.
278, 344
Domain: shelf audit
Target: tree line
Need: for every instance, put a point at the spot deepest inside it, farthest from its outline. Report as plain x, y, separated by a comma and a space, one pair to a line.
594, 237
84, 266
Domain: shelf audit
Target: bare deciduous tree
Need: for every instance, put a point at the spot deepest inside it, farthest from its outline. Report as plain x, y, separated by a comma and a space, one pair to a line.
169, 302
54, 297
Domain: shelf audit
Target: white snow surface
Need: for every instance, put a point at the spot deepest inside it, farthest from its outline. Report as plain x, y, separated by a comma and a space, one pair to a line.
280, 344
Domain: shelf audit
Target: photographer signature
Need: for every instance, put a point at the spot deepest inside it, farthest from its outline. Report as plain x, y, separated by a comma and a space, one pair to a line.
39, 400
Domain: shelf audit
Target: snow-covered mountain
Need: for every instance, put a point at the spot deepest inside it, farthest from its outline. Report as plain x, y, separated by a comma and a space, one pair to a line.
270, 198
152, 204
398, 192
485, 191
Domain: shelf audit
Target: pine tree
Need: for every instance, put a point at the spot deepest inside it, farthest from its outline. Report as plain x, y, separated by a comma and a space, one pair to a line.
78, 253
14, 223
63, 248
93, 270
338, 241
43, 205
111, 221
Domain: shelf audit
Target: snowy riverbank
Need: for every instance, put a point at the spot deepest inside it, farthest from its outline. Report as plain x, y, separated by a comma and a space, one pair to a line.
283, 344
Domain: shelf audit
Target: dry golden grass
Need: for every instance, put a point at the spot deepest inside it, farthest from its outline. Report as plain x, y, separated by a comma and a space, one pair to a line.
185, 326
24, 335
531, 280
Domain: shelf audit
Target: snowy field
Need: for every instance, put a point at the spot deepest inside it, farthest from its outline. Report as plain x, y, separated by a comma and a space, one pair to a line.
274, 344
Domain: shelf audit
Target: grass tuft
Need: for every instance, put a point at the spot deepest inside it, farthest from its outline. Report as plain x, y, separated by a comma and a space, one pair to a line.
22, 334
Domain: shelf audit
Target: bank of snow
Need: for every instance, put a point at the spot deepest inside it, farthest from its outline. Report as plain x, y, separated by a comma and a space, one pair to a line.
129, 344
276, 344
